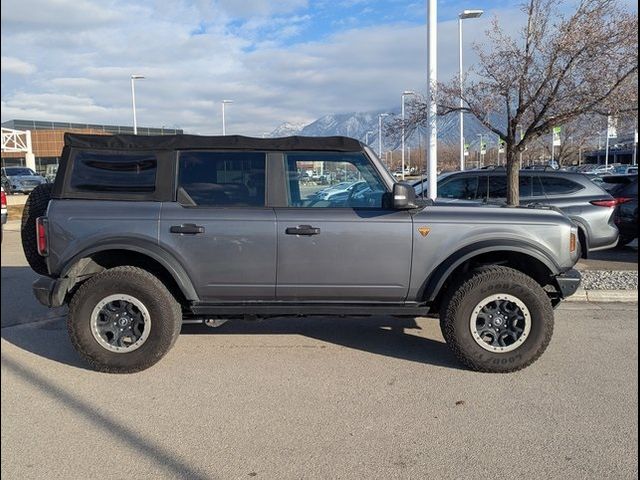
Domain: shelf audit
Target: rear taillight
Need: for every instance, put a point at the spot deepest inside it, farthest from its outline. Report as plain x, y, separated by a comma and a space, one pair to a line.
604, 203
3, 199
41, 236
620, 200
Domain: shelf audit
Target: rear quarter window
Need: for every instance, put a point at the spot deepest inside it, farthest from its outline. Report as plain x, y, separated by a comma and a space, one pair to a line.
559, 186
114, 172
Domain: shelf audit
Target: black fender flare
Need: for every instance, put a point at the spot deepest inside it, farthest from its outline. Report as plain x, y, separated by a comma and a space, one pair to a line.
74, 265
433, 284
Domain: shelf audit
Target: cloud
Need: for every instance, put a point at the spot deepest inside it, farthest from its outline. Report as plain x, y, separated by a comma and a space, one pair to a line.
195, 53
76, 14
15, 66
262, 8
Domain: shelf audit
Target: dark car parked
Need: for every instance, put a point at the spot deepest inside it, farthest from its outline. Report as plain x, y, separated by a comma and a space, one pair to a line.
624, 189
587, 204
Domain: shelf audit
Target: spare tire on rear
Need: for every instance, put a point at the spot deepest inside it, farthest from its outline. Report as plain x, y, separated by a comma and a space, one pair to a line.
36, 206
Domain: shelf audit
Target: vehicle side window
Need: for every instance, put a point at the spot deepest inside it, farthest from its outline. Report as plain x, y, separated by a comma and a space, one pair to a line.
559, 186
530, 186
332, 180
526, 184
536, 187
223, 179
114, 172
462, 188
497, 186
483, 184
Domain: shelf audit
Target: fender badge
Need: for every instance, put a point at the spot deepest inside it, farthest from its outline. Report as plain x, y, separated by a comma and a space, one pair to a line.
424, 231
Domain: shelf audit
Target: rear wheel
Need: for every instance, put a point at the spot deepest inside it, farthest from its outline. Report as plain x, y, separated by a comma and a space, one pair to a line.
497, 320
35, 206
123, 320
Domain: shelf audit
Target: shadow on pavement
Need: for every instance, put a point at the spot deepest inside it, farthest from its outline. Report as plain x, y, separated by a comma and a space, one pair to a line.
625, 258
17, 304
379, 335
159, 455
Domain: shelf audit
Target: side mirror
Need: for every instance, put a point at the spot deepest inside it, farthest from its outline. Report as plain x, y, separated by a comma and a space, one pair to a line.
404, 196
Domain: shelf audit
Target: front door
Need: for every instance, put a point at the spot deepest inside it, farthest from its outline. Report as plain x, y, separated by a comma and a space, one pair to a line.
336, 242
220, 229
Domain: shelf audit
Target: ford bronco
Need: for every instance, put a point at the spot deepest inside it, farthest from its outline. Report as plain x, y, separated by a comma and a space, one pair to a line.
139, 234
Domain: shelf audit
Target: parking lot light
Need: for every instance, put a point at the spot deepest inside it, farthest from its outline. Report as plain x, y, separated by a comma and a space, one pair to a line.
134, 77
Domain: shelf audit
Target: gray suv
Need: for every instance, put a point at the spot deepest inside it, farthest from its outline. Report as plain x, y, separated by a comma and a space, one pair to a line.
587, 204
138, 234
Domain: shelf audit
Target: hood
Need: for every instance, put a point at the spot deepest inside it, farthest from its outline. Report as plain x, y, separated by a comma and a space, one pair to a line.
22, 178
497, 214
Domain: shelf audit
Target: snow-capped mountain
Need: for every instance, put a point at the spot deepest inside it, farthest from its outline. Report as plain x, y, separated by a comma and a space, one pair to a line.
357, 124
287, 129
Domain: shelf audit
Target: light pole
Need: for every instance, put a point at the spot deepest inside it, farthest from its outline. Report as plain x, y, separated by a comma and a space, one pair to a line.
133, 101
635, 146
432, 67
463, 16
366, 137
224, 127
481, 149
380, 116
406, 93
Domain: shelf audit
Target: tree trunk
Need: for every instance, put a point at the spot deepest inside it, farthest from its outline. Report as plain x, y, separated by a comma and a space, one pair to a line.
513, 176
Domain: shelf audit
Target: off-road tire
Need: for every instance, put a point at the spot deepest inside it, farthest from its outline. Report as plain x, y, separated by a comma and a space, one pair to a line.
36, 206
164, 311
457, 308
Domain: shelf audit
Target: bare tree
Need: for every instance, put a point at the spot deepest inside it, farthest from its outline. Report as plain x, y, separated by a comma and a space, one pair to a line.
561, 67
576, 136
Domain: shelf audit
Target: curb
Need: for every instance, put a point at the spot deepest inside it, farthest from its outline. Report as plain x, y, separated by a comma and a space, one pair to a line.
582, 295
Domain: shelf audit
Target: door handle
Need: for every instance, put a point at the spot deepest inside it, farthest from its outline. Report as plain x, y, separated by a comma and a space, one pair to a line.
302, 230
187, 229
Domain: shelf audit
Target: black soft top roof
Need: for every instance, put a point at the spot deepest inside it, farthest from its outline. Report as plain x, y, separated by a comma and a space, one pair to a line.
197, 142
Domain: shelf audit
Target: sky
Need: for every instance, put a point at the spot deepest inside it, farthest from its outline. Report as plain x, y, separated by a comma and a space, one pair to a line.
279, 60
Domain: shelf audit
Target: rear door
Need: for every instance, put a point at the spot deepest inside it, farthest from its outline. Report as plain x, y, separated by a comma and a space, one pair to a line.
347, 249
220, 228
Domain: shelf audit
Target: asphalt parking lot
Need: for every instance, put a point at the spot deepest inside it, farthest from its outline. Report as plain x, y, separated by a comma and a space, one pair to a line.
316, 398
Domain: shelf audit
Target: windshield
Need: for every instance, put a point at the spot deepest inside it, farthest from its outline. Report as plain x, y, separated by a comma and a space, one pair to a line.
12, 172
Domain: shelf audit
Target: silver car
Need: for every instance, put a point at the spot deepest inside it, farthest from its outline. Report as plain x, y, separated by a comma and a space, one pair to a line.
587, 204
20, 179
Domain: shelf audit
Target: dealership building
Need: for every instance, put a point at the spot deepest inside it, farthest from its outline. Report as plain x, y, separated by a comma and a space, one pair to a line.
46, 139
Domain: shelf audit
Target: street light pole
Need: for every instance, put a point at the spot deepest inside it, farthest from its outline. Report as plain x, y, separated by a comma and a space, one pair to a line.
406, 93
380, 115
133, 101
432, 67
366, 137
481, 150
462, 16
224, 127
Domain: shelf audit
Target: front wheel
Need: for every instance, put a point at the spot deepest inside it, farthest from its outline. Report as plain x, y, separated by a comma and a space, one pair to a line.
497, 320
123, 320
